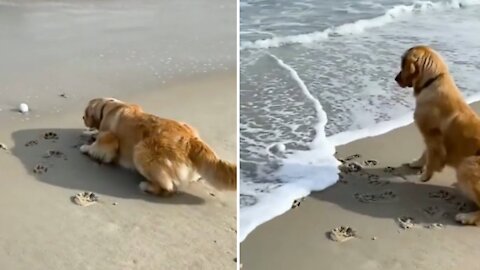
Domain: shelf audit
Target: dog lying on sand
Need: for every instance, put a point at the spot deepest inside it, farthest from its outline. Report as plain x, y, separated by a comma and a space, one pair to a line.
166, 152
449, 126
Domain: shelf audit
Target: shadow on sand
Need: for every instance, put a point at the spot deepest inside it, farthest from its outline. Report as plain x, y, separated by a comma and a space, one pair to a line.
393, 192
68, 168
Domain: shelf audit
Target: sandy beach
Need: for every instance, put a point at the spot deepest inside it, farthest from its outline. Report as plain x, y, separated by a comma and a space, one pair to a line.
58, 55
371, 202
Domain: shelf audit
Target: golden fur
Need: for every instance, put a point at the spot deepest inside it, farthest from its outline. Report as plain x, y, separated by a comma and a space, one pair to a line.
450, 128
166, 152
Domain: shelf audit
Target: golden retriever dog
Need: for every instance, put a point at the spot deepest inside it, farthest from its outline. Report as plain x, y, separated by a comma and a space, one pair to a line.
166, 152
449, 127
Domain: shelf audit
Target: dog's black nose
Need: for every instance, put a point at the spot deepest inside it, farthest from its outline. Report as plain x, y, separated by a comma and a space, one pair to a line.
397, 78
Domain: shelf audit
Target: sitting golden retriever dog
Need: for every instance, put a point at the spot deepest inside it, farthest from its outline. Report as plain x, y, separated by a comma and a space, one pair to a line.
450, 128
165, 152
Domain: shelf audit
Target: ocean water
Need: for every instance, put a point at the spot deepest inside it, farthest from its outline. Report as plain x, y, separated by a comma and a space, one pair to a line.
315, 74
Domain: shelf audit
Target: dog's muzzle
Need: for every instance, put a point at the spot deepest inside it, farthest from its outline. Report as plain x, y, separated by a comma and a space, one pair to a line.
397, 78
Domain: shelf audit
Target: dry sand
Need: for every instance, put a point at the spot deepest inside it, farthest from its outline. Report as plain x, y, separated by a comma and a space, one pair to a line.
112, 47
40, 228
101, 49
299, 238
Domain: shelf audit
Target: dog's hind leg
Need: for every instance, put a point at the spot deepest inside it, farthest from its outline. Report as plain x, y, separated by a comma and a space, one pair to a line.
468, 176
149, 165
153, 187
104, 148
157, 184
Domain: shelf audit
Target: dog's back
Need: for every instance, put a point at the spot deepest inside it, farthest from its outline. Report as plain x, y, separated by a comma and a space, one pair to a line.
171, 152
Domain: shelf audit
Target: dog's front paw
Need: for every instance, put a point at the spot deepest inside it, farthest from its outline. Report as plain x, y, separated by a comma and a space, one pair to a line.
90, 135
425, 177
144, 186
468, 218
84, 148
90, 132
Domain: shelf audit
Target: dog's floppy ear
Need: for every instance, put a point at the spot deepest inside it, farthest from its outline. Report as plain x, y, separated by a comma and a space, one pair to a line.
411, 69
410, 60
91, 115
96, 109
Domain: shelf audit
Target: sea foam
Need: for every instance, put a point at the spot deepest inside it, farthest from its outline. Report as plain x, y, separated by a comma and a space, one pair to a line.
302, 171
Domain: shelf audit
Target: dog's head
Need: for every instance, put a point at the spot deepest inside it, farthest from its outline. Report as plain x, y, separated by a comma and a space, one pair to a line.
419, 64
95, 111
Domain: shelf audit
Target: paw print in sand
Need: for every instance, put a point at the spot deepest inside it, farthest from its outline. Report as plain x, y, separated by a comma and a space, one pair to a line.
349, 158
434, 226
342, 234
389, 170
296, 203
406, 222
50, 136
383, 197
40, 169
351, 167
374, 179
85, 198
55, 154
370, 162
432, 211
442, 194
31, 143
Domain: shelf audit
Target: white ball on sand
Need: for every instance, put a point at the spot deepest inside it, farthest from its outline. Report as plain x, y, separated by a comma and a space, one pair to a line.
23, 108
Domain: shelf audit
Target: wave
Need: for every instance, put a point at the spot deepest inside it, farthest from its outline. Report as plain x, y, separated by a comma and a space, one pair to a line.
391, 15
375, 130
381, 128
301, 172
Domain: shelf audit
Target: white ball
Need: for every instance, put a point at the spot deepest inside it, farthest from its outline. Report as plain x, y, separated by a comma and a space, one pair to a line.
277, 148
281, 147
23, 108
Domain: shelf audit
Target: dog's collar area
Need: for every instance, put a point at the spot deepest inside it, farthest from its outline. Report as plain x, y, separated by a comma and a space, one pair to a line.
427, 83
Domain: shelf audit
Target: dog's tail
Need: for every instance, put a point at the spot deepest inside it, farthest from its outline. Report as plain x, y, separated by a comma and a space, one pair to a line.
221, 174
